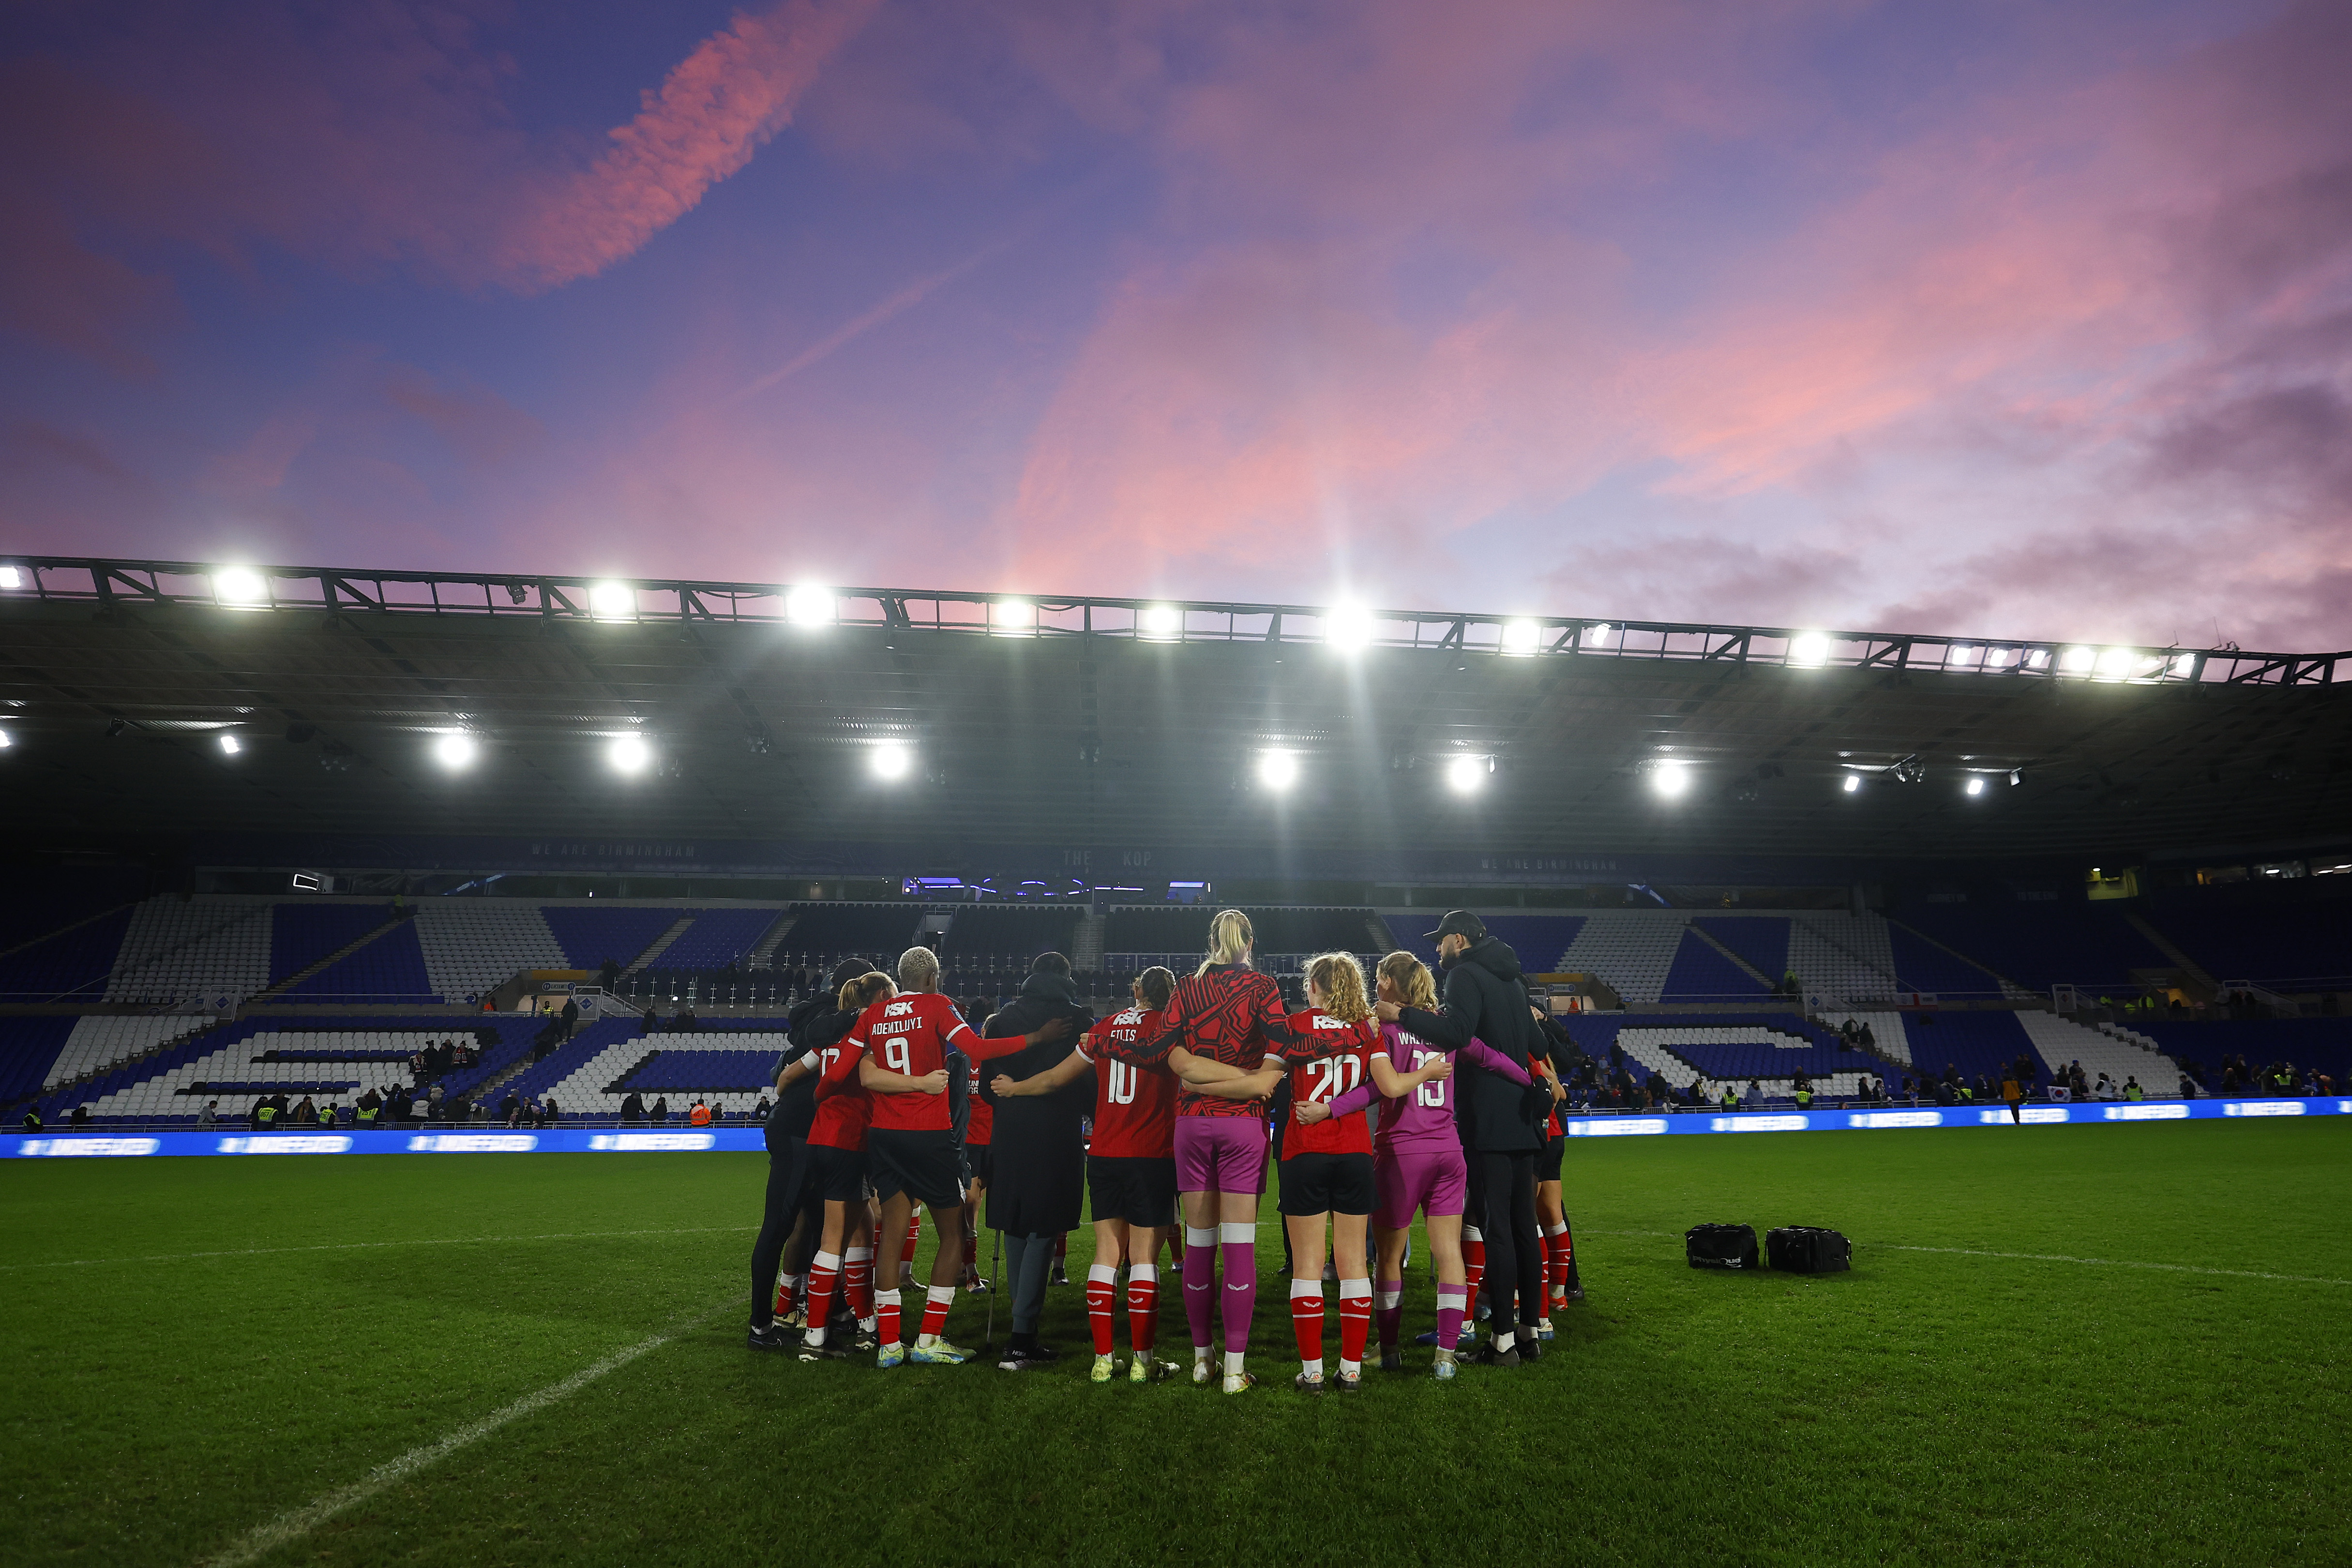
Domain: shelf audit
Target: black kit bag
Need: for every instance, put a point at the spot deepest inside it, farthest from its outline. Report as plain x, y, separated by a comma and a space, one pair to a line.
1808, 1250
1720, 1246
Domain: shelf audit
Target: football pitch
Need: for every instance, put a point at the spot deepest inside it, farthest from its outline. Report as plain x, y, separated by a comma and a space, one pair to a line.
2058, 1344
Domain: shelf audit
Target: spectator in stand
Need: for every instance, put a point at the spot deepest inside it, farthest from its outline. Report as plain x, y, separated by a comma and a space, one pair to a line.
434, 1109
1869, 1040
650, 1021
1952, 1074
33, 1119
2189, 1089
306, 1114
1981, 1089
570, 1016
608, 974
761, 1109
81, 1117
1910, 1092
633, 1109
698, 1116
1697, 1092
686, 1022
510, 1110
1946, 1092
661, 1113
1753, 1099
210, 1115
548, 1116
2105, 1088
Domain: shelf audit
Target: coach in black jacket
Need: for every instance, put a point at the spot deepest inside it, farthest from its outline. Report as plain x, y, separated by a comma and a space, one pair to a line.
795, 1211
1037, 1188
1485, 998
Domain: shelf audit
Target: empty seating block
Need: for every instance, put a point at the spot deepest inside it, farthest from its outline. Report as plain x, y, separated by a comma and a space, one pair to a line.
719, 938
301, 934
73, 963
209, 948
1700, 972
471, 946
1761, 940
2039, 945
1010, 930
825, 931
2292, 948
389, 969
29, 1046
590, 936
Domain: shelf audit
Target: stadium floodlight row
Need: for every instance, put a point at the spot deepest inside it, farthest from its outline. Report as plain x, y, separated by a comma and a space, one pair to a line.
813, 607
750, 1140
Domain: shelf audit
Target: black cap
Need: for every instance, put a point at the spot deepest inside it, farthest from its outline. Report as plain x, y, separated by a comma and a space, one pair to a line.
1460, 923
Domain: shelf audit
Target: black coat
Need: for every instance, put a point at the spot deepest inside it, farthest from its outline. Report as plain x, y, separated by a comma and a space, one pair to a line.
1484, 999
816, 1023
1038, 1148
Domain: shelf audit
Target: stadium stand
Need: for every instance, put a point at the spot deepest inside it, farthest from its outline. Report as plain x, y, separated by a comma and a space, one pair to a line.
1155, 928
300, 934
186, 949
389, 969
73, 962
100, 1042
2324, 1044
1769, 1047
35, 903
718, 939
822, 932
2304, 946
471, 946
1843, 957
1700, 972
1012, 930
2039, 945
29, 1047
1631, 950
1761, 940
1921, 965
588, 936
2062, 1041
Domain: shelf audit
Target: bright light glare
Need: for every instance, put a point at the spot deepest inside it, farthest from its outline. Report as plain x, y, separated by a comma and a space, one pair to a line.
1600, 631
2184, 664
456, 750
1465, 774
1853, 783
1521, 636
1975, 786
11, 578
235, 586
629, 753
5, 741
891, 761
2115, 663
1013, 618
1808, 649
1163, 620
1670, 779
1346, 626
231, 744
808, 605
1278, 770
613, 599
2077, 659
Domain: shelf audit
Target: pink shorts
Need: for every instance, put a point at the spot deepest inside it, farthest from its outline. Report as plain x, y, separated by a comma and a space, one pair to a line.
1220, 1154
1434, 1179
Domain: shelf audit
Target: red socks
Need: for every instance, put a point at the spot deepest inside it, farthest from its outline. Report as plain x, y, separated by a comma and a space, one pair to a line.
886, 1306
857, 1279
1143, 1307
1102, 1306
1307, 1322
914, 1234
1355, 1324
935, 1312
823, 1271
1474, 1263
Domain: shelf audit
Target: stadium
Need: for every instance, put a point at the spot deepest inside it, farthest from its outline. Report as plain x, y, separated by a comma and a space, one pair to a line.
264, 869
1013, 782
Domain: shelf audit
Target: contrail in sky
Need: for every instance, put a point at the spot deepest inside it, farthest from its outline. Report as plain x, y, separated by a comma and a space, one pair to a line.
905, 299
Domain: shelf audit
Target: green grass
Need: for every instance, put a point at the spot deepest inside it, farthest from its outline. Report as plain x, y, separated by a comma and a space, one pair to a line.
1929, 1408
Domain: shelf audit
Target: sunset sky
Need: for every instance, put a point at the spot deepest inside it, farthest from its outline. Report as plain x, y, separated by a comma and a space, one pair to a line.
1997, 319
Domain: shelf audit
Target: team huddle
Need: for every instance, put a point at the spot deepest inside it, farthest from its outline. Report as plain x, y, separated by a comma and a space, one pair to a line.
1376, 1103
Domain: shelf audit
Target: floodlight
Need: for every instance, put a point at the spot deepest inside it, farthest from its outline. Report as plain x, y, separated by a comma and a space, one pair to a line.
1519, 637
1853, 783
2184, 665
613, 599
1670, 779
456, 750
1278, 770
2115, 664
892, 759
2078, 660
1975, 785
1808, 649
239, 585
808, 605
1012, 618
1347, 626
6, 740
629, 753
1160, 620
1465, 774
231, 744
11, 578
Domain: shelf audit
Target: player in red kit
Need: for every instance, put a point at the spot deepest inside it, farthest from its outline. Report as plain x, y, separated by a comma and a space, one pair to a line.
904, 1043
836, 1142
1130, 1170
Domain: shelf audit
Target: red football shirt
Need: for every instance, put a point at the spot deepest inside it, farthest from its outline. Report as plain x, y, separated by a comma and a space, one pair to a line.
843, 1107
912, 1034
1330, 1059
1230, 1014
1135, 1105
979, 1116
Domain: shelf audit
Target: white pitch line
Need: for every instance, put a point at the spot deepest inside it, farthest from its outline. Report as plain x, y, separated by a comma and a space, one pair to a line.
293, 1526
2113, 1263
360, 1245
2056, 1257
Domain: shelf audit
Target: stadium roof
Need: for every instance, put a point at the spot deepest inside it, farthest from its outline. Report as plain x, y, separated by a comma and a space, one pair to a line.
1112, 720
